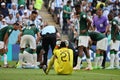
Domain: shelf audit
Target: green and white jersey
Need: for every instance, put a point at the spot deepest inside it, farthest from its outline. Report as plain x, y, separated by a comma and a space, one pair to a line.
68, 9
83, 23
30, 30
96, 36
3, 31
113, 28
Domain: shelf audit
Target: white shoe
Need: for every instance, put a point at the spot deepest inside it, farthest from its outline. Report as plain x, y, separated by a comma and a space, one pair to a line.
88, 68
36, 67
110, 67
76, 68
100, 67
37, 63
117, 67
81, 66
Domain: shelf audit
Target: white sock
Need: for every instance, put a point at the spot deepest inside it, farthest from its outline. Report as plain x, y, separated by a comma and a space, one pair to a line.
96, 61
89, 62
21, 56
35, 58
116, 60
5, 59
100, 61
112, 58
0, 57
79, 61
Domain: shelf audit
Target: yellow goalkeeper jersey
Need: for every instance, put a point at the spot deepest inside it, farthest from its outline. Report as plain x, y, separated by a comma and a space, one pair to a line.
63, 63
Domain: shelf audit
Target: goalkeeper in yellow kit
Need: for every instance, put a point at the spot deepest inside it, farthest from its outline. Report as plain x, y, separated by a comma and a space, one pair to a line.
62, 59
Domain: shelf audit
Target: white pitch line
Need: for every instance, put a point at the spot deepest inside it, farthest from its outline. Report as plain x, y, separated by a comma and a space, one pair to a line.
101, 74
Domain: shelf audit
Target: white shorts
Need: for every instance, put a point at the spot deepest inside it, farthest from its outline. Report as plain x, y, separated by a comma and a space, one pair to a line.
1, 44
102, 44
115, 45
28, 39
28, 57
83, 41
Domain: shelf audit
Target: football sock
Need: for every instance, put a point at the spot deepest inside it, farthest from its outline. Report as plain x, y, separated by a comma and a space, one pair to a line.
116, 60
5, 59
89, 62
50, 64
21, 58
0, 57
78, 61
97, 58
100, 61
112, 56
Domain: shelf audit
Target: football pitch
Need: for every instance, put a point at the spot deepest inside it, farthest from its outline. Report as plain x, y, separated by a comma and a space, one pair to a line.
38, 74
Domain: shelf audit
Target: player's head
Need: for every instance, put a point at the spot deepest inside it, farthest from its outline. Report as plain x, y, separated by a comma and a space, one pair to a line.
110, 16
16, 25
68, 2
99, 12
77, 8
34, 14
64, 44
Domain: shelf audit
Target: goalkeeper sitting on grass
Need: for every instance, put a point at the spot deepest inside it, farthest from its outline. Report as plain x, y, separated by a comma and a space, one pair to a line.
62, 59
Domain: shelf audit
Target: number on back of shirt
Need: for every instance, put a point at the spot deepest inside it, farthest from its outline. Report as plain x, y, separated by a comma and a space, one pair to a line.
65, 56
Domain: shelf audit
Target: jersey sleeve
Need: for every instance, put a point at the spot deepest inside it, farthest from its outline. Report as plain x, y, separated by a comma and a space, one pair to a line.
37, 30
9, 30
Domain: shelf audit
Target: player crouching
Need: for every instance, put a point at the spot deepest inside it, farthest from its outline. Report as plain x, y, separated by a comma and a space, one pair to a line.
3, 51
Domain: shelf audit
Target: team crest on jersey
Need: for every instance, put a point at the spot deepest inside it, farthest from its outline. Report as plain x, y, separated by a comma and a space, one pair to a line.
114, 23
84, 16
10, 30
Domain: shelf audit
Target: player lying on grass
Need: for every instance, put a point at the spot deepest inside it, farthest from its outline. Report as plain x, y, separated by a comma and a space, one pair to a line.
28, 60
101, 46
62, 59
4, 35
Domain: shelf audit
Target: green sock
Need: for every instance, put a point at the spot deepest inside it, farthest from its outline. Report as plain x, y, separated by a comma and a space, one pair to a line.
97, 55
112, 52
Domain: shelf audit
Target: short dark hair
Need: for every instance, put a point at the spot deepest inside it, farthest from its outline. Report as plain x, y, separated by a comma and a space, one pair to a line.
101, 6
69, 1
62, 44
34, 12
16, 23
77, 6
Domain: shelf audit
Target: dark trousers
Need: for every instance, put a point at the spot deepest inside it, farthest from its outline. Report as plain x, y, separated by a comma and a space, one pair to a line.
49, 40
65, 26
104, 59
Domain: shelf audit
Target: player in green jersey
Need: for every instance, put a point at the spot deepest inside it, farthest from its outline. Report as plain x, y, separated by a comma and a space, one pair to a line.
115, 43
4, 35
83, 40
101, 45
27, 37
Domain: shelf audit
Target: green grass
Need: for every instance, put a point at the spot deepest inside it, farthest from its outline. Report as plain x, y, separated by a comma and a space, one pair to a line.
38, 74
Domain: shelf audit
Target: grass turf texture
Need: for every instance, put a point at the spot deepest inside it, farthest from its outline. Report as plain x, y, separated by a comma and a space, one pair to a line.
38, 74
